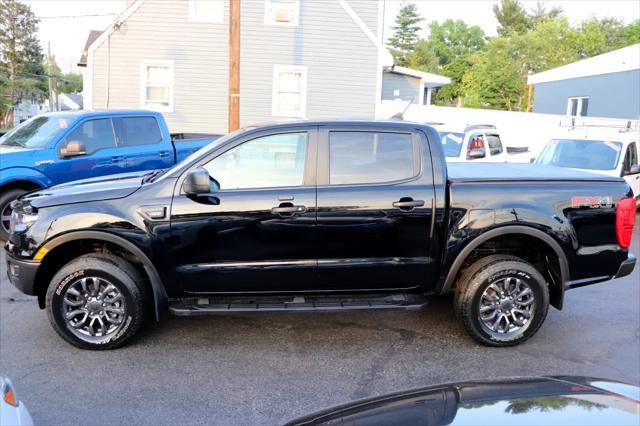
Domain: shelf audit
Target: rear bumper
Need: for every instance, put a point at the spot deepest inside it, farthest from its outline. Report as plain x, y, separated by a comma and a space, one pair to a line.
626, 267
22, 273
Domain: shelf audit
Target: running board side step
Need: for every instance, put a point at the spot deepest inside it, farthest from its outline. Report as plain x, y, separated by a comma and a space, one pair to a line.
218, 305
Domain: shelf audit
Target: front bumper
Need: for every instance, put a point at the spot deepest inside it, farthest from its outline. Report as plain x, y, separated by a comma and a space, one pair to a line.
626, 267
22, 273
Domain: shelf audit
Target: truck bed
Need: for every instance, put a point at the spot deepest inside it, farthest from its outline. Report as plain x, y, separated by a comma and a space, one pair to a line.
489, 172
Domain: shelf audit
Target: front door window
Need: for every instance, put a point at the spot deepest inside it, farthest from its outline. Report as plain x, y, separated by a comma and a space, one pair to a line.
266, 162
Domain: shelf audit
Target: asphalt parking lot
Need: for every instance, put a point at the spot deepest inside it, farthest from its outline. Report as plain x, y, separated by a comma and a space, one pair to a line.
269, 368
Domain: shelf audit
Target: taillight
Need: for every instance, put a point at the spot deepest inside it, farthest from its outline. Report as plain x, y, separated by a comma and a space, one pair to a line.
476, 143
625, 218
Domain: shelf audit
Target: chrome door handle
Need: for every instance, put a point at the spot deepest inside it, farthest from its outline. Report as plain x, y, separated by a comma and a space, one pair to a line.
288, 209
407, 203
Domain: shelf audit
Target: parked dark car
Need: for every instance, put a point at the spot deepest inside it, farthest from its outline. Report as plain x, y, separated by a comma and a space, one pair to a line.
311, 216
59, 147
522, 401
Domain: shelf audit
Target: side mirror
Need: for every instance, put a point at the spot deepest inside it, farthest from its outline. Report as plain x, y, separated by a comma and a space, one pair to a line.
532, 160
73, 149
197, 182
634, 170
476, 153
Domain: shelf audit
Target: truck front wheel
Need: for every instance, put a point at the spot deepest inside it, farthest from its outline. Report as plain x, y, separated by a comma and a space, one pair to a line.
6, 198
502, 300
96, 302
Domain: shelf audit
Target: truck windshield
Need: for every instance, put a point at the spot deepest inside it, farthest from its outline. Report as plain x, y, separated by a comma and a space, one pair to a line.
582, 154
37, 132
451, 143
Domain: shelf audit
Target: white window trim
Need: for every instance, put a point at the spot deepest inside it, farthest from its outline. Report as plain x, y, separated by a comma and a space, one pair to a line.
277, 69
143, 84
269, 21
579, 108
194, 17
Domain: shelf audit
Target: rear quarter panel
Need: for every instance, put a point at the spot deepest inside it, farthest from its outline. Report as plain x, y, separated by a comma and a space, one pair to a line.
586, 234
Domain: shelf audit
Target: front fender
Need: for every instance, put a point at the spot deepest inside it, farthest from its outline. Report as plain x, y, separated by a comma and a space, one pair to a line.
24, 174
159, 294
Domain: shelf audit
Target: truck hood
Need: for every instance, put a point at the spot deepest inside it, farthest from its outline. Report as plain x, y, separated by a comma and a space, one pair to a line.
15, 156
487, 172
87, 190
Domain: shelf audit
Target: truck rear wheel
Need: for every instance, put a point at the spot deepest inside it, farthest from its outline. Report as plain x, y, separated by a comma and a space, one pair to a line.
502, 300
6, 198
96, 302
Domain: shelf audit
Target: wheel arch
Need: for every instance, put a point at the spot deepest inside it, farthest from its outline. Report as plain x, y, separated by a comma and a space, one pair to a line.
27, 184
58, 244
542, 237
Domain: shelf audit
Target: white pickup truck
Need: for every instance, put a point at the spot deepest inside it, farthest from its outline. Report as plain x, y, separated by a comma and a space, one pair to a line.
606, 150
478, 143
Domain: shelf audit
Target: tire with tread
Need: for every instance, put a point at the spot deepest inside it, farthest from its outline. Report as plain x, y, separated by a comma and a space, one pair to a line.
118, 272
472, 282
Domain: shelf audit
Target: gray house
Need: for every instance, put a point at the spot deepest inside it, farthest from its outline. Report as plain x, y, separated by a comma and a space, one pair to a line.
406, 84
606, 85
299, 59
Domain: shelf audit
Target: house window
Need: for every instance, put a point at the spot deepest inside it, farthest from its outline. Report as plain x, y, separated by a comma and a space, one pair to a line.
206, 11
289, 91
577, 106
281, 12
156, 85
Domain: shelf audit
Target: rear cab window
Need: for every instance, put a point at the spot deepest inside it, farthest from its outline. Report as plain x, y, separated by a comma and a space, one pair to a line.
495, 144
363, 157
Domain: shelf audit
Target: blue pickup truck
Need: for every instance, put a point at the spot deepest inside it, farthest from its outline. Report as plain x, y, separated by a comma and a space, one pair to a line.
64, 146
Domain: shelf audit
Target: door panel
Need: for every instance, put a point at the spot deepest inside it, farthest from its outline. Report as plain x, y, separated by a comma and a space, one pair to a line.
241, 245
257, 233
375, 235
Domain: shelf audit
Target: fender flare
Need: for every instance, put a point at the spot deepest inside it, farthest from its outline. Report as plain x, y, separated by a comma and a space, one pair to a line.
160, 298
16, 174
505, 230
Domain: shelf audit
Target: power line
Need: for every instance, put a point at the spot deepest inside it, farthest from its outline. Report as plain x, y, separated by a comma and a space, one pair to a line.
76, 16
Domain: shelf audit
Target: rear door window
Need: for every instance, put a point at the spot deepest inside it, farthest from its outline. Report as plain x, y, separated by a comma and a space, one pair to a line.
94, 134
371, 157
495, 144
135, 131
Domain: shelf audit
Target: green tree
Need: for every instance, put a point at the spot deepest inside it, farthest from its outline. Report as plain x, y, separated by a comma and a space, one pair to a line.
454, 38
453, 94
20, 57
71, 82
405, 33
423, 58
67, 82
541, 14
495, 79
512, 17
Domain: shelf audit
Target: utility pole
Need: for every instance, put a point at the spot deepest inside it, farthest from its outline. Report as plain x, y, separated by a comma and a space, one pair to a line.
234, 65
55, 89
49, 75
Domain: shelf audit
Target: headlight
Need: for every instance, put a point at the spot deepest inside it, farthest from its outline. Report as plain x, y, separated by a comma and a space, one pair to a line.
21, 220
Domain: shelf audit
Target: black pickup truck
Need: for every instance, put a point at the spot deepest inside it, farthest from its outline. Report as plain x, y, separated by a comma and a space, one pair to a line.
319, 216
